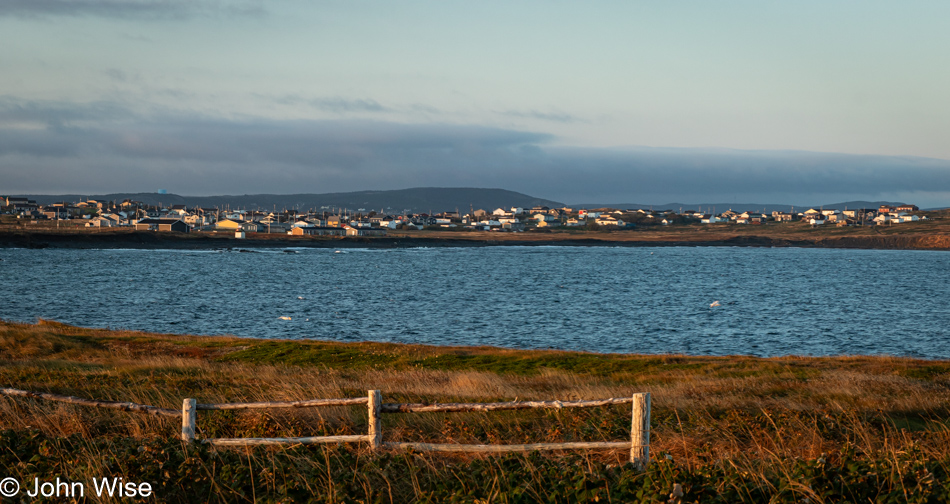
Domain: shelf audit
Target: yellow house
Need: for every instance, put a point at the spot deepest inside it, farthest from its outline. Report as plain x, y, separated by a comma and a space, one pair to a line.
227, 224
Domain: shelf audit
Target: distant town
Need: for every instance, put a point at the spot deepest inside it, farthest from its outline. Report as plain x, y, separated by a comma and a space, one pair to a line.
95, 214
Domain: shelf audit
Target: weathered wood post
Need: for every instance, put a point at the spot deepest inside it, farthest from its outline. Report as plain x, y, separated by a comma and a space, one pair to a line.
640, 431
375, 404
189, 416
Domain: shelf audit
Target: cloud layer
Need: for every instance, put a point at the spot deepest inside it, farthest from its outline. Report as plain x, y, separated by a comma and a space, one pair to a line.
48, 147
138, 9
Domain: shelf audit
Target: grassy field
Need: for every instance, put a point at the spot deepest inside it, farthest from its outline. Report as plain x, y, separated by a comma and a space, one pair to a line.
726, 429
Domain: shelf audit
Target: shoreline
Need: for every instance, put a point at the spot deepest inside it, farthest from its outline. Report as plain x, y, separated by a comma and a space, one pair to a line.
306, 352
225, 340
195, 241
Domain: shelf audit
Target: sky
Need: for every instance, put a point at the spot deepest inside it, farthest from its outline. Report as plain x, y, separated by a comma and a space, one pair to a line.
804, 102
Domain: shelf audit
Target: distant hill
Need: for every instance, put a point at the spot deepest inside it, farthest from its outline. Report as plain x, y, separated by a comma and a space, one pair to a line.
416, 200
419, 199
760, 207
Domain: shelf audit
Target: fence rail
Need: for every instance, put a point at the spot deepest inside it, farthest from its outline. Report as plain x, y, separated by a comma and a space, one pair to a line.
493, 448
124, 406
639, 443
499, 406
289, 404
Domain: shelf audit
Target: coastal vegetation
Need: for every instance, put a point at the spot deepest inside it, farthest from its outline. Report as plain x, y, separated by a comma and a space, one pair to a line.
725, 429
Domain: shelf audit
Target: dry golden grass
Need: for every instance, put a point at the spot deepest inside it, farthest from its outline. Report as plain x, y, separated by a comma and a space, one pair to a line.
704, 407
744, 424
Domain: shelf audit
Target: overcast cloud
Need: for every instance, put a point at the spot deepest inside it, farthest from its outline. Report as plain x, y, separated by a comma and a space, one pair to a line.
104, 147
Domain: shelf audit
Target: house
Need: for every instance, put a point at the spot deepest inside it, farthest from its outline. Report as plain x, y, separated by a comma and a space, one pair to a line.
56, 213
194, 220
317, 231
128, 204
252, 227
99, 222
228, 224
390, 223
609, 221
366, 231
588, 214
907, 208
117, 219
167, 224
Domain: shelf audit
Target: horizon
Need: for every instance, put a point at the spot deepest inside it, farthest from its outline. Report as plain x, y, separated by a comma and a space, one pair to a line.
609, 101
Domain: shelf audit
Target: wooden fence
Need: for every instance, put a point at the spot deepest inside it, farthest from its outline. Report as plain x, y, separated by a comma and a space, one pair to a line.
639, 443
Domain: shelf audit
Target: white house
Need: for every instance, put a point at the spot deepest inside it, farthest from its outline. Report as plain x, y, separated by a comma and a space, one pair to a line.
610, 221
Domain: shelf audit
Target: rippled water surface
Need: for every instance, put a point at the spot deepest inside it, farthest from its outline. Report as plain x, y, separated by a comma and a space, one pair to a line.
631, 300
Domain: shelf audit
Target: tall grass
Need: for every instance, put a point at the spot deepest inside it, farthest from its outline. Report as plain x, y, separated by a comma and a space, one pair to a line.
726, 429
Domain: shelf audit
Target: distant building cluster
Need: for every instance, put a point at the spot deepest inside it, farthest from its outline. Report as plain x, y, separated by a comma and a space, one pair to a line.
342, 222
821, 217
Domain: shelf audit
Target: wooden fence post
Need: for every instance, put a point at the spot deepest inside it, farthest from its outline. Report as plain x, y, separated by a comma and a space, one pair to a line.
375, 404
189, 414
640, 431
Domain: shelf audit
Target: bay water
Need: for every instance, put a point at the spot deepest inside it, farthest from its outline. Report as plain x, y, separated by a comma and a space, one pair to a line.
653, 300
